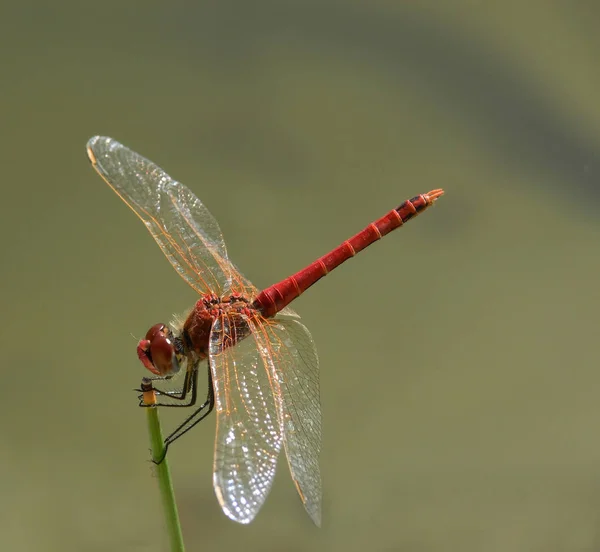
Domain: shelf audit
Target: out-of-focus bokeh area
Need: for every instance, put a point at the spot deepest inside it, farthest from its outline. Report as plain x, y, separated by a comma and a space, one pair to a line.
459, 357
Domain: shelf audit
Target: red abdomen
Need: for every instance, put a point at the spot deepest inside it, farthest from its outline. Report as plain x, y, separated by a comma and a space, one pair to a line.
273, 299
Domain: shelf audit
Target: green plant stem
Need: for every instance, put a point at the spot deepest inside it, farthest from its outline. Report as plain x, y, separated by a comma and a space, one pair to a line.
163, 473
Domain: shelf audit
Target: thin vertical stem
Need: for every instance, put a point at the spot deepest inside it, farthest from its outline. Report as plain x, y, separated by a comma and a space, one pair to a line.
162, 469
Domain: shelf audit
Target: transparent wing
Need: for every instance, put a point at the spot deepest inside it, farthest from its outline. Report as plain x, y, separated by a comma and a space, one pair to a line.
248, 438
182, 226
296, 364
288, 312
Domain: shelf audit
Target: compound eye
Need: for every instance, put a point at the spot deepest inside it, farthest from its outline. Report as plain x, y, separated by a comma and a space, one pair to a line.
162, 354
157, 351
157, 329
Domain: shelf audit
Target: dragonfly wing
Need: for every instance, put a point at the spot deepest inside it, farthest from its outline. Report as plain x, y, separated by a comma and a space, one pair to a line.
187, 233
296, 365
288, 312
248, 437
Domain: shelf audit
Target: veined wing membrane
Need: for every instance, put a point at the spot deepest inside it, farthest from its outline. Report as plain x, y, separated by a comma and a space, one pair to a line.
187, 233
296, 365
248, 438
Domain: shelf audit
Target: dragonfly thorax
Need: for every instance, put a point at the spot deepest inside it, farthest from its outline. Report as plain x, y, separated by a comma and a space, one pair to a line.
199, 323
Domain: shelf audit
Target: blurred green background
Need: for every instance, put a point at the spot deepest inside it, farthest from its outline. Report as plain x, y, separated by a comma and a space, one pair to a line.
458, 356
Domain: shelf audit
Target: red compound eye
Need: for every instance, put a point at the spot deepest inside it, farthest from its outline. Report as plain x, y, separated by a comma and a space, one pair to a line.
157, 352
156, 329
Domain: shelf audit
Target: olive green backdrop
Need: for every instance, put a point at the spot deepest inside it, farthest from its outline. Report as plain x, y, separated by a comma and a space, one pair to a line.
459, 356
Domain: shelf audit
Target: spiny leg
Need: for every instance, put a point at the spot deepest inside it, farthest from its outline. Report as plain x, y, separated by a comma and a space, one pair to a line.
175, 394
192, 420
189, 384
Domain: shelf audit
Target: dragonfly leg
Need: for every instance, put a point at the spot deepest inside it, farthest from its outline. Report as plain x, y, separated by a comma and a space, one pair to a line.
189, 384
152, 379
196, 417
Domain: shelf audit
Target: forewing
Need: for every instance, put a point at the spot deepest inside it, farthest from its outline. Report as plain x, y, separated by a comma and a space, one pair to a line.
182, 226
248, 437
296, 364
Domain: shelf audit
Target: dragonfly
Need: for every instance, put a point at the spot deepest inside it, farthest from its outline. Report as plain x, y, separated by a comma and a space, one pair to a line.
262, 364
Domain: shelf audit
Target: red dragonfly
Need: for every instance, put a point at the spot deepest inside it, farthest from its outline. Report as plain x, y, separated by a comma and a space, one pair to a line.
266, 387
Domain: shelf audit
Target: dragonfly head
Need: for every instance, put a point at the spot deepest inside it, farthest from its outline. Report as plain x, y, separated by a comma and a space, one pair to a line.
160, 352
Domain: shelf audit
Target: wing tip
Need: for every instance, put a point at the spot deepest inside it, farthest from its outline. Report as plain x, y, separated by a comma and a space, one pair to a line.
95, 139
315, 515
313, 508
232, 514
94, 142
233, 517
92, 145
